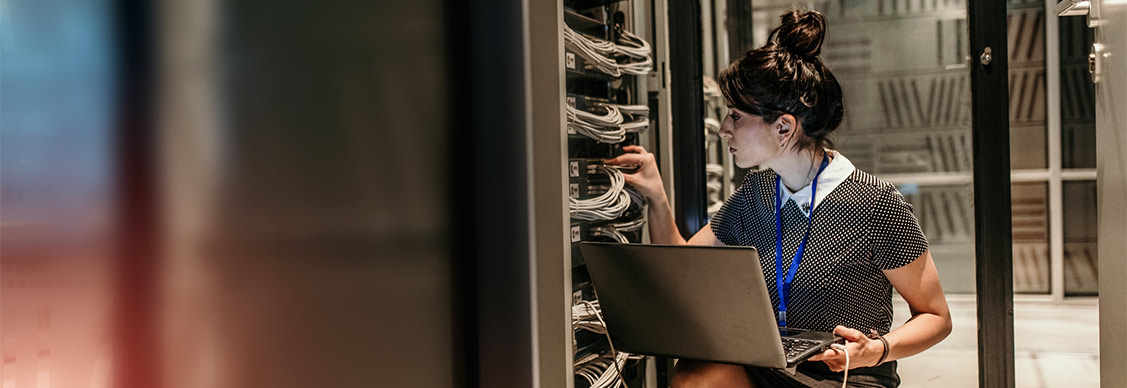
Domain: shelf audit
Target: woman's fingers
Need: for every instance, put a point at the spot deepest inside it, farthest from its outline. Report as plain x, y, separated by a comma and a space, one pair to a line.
631, 179
825, 355
834, 359
634, 148
626, 160
851, 335
860, 352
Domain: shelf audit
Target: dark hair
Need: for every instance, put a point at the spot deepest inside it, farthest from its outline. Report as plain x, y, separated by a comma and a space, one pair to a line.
786, 76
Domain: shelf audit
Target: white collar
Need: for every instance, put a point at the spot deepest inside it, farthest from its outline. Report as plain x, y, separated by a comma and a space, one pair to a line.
835, 173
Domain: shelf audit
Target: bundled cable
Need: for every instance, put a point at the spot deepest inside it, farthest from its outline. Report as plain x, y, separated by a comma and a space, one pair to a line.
711, 88
639, 125
715, 173
630, 226
637, 68
606, 231
603, 128
584, 316
603, 372
634, 47
714, 170
639, 115
598, 370
606, 206
600, 53
634, 110
594, 51
711, 126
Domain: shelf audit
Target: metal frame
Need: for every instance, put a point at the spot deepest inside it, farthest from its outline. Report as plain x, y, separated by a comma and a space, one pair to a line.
685, 56
993, 234
1053, 126
548, 217
661, 83
489, 167
741, 36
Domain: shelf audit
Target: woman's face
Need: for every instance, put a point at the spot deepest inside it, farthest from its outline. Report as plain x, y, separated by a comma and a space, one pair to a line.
751, 140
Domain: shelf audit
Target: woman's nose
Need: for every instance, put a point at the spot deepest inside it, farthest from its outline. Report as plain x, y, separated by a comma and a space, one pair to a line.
726, 128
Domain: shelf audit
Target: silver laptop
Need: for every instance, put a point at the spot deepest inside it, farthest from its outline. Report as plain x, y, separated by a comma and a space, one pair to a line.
694, 302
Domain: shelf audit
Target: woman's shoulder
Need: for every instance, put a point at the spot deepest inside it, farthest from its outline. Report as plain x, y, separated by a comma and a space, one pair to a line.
860, 180
866, 191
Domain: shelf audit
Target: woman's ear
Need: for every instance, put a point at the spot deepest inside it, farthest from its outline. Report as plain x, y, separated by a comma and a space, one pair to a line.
785, 127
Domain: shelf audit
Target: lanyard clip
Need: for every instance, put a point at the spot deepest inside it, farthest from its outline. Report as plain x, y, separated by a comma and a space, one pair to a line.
782, 318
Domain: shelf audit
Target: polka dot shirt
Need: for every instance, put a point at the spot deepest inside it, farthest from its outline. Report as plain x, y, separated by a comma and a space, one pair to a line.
860, 227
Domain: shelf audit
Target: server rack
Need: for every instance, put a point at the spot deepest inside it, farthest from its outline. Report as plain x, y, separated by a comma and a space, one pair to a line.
606, 62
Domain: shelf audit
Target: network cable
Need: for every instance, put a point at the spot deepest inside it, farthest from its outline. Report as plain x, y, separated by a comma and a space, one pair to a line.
607, 206
630, 226
598, 52
711, 88
602, 128
711, 126
635, 126
605, 231
604, 372
634, 46
715, 174
714, 169
594, 51
583, 317
633, 110
607, 379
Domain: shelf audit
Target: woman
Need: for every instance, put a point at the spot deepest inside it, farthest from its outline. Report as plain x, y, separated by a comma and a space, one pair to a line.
850, 237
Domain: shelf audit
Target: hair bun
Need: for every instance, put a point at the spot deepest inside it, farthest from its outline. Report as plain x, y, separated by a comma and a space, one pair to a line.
801, 33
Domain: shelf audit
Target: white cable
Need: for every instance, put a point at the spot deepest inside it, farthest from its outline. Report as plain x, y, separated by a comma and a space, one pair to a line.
634, 110
619, 358
632, 45
603, 128
635, 47
607, 206
583, 318
585, 359
612, 126
714, 170
715, 207
639, 125
630, 226
844, 379
711, 125
637, 68
605, 231
598, 52
595, 51
711, 88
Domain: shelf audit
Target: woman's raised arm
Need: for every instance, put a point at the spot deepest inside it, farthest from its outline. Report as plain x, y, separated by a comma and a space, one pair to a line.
647, 181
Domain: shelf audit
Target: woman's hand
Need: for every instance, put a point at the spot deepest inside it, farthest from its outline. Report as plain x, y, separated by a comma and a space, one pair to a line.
646, 179
862, 351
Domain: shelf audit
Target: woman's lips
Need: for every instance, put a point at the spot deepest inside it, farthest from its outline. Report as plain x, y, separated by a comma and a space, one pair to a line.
731, 150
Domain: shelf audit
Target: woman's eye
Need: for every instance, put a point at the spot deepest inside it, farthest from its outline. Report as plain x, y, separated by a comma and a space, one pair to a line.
735, 117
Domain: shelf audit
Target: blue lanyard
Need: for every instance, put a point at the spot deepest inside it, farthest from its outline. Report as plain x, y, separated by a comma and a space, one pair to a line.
782, 285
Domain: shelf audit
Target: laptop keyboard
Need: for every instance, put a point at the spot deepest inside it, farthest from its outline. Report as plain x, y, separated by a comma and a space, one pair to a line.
795, 346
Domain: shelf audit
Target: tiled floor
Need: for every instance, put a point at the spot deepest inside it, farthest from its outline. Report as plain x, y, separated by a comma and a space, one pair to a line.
1056, 345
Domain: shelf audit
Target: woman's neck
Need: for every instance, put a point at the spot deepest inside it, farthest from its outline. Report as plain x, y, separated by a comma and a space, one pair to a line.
797, 169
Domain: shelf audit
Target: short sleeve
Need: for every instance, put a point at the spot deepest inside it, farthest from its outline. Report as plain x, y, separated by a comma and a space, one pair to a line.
728, 224
896, 235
